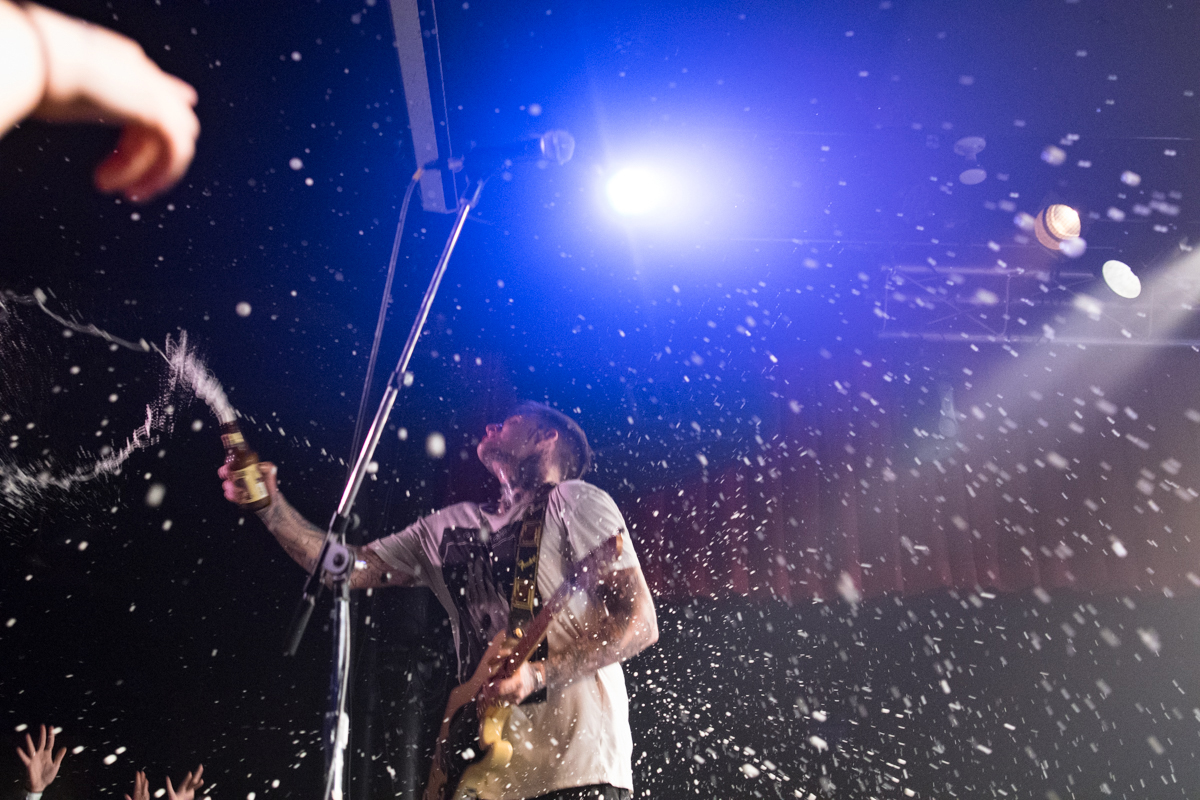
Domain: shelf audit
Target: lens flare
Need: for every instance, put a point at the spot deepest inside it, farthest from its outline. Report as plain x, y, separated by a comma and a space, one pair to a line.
636, 190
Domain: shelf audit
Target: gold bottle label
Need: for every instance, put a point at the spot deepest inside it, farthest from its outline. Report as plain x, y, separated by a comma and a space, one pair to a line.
231, 440
250, 481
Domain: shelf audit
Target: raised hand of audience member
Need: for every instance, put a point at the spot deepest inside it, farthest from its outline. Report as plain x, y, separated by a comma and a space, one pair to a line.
61, 69
187, 787
41, 762
141, 787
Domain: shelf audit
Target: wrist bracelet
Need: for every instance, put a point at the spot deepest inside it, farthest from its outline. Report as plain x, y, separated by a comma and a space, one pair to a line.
539, 678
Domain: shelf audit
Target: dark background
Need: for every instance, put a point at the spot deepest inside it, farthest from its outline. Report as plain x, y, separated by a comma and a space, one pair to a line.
814, 148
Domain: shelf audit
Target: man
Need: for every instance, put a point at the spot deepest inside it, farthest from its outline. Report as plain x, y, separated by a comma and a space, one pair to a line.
576, 742
61, 69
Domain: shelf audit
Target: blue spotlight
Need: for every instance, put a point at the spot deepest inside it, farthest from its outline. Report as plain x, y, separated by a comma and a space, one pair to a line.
636, 190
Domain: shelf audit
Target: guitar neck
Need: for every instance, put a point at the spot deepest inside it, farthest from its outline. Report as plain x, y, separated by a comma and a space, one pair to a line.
586, 574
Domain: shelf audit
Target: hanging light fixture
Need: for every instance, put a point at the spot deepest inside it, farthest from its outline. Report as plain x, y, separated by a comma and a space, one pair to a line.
970, 147
1121, 279
1056, 225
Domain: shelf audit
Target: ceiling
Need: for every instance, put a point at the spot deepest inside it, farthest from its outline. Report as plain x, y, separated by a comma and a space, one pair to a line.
809, 154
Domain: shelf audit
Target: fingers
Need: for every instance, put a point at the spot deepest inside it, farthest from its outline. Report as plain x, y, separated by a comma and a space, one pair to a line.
270, 474
97, 75
26, 760
175, 132
503, 692
58, 758
228, 487
187, 92
234, 494
146, 162
50, 745
42, 737
136, 156
190, 783
495, 664
174, 145
485, 699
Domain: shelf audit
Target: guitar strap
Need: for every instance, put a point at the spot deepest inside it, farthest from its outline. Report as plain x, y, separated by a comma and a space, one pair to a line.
525, 597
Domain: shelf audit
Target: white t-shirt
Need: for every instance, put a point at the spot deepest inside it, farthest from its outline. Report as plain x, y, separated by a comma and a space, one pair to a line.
580, 735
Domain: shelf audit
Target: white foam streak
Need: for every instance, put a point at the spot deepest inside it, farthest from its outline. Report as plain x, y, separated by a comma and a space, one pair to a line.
188, 369
20, 487
39, 298
186, 376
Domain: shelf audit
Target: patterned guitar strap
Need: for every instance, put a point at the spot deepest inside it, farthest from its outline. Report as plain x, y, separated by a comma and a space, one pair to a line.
525, 597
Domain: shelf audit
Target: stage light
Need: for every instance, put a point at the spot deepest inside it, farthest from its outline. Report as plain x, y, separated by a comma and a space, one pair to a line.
972, 176
636, 190
1120, 279
1056, 224
970, 147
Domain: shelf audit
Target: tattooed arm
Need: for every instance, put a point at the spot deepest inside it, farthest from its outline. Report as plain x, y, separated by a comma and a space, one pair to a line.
620, 623
302, 540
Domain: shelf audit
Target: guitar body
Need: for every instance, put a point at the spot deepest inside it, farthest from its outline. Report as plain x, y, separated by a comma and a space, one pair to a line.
468, 746
471, 745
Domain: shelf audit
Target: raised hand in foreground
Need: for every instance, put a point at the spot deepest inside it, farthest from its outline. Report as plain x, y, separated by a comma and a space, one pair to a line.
141, 787
187, 787
61, 69
41, 763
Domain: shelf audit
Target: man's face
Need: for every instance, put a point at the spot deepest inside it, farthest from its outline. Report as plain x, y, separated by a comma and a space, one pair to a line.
511, 442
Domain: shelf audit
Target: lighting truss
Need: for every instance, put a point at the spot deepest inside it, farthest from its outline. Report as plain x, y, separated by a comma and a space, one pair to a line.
1068, 305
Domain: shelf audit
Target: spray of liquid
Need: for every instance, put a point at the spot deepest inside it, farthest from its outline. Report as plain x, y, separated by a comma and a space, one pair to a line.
186, 378
20, 486
188, 372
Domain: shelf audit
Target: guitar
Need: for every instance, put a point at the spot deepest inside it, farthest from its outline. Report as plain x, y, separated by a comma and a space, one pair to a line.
471, 741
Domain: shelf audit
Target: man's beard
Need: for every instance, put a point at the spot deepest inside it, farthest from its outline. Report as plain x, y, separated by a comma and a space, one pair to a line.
490, 452
524, 474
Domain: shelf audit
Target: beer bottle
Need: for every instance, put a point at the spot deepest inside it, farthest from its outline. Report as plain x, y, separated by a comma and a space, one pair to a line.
243, 468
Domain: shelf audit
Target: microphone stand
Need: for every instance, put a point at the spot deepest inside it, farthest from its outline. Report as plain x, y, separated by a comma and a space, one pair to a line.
334, 562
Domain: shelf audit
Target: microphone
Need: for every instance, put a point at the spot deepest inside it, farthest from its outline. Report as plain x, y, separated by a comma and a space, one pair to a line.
556, 145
